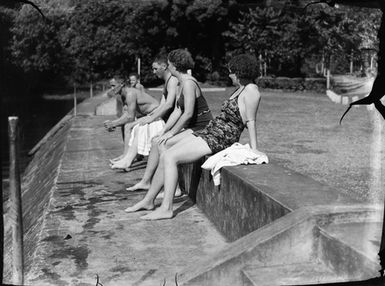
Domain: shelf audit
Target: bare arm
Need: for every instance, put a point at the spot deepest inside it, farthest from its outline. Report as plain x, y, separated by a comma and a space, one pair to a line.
129, 112
175, 115
166, 104
252, 98
189, 105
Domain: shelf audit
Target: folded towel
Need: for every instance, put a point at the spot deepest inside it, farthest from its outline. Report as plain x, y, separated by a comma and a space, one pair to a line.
145, 133
236, 154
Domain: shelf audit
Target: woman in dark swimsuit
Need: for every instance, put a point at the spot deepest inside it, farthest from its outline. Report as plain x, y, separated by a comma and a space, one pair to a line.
191, 113
237, 112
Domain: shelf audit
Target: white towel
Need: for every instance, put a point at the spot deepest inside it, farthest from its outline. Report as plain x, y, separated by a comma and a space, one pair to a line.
145, 134
236, 154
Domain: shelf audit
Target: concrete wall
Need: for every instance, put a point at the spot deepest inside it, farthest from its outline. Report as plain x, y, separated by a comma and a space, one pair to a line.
37, 184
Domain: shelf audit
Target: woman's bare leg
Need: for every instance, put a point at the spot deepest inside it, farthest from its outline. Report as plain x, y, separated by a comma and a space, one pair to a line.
152, 163
153, 160
197, 148
147, 203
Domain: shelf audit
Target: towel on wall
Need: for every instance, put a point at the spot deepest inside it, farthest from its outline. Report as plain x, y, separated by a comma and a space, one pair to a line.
145, 133
236, 154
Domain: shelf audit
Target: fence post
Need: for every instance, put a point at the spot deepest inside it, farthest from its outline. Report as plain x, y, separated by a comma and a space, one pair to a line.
91, 90
139, 66
75, 100
15, 200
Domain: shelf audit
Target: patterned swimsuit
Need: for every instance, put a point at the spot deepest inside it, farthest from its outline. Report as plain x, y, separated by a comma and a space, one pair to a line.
226, 128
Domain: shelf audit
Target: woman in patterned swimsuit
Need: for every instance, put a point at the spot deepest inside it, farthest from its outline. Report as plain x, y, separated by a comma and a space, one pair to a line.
237, 112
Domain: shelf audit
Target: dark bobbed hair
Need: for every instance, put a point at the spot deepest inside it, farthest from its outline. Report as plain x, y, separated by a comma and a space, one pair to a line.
245, 67
181, 59
161, 59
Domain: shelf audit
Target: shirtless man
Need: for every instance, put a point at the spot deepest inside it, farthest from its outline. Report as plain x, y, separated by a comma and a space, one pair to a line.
134, 81
134, 102
151, 125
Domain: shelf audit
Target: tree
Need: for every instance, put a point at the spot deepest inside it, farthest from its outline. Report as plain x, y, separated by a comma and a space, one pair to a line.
288, 35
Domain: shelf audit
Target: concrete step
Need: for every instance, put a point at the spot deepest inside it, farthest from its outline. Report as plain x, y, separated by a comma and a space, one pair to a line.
298, 237
350, 249
363, 237
252, 196
293, 274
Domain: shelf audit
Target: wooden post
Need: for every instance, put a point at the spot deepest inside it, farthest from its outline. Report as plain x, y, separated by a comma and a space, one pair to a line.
328, 79
138, 66
91, 90
15, 200
75, 100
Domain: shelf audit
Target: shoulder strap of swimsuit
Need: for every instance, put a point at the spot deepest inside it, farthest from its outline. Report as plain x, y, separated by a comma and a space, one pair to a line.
200, 90
238, 93
166, 85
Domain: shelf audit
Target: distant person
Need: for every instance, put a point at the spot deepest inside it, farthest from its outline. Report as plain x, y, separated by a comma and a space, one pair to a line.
151, 125
191, 113
135, 103
238, 112
134, 79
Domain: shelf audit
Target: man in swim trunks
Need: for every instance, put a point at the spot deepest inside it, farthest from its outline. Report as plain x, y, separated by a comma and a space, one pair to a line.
135, 103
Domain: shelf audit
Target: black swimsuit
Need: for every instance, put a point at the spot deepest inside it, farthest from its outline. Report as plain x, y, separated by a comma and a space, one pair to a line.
202, 114
226, 128
165, 94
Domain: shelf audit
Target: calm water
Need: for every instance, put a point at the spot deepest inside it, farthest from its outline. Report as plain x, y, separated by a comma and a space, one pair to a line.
36, 117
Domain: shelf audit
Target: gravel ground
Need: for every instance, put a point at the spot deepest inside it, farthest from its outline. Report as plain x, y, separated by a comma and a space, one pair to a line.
301, 131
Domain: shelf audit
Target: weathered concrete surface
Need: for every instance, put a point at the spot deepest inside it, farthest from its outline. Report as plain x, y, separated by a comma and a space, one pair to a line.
107, 107
87, 233
296, 238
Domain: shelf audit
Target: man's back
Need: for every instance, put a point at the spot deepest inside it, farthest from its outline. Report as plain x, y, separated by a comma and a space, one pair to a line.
144, 102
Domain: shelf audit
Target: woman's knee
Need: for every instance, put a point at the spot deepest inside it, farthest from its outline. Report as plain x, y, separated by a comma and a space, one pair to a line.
168, 157
162, 148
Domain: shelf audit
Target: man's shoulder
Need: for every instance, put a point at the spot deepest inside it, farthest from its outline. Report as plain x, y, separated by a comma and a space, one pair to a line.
130, 92
173, 82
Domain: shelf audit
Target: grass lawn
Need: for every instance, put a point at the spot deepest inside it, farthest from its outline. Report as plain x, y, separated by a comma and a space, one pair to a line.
301, 131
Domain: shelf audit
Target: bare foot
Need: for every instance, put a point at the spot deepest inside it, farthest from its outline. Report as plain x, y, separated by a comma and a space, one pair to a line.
119, 165
178, 193
142, 205
139, 186
112, 161
159, 213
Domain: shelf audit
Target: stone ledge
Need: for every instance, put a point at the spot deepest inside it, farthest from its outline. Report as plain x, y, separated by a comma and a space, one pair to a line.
251, 196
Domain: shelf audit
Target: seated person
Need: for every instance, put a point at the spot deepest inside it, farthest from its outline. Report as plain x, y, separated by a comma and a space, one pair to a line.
134, 102
190, 113
238, 112
148, 127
